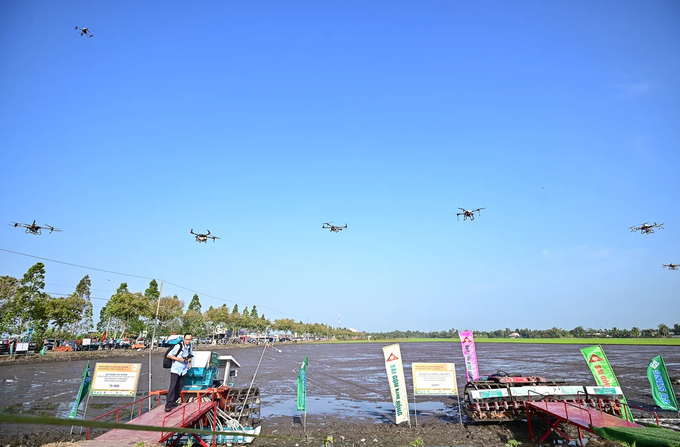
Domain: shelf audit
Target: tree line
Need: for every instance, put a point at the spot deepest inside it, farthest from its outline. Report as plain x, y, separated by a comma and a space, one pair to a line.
24, 305
661, 331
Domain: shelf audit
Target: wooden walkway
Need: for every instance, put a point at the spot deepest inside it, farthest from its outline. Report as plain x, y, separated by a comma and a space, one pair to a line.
581, 416
184, 415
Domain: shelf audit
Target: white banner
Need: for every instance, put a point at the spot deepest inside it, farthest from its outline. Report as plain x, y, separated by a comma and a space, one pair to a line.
395, 375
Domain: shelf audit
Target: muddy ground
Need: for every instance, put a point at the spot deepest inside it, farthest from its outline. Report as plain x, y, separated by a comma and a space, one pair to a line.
348, 390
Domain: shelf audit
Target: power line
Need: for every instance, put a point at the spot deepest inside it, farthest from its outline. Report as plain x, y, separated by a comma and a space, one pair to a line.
138, 276
75, 265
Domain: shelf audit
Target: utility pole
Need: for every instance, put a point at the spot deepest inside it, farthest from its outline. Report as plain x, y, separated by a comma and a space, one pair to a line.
150, 348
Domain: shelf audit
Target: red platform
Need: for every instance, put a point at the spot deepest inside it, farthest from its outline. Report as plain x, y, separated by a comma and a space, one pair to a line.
579, 415
185, 415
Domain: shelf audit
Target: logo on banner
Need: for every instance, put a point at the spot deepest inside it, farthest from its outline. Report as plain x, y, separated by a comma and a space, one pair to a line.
594, 358
467, 340
391, 358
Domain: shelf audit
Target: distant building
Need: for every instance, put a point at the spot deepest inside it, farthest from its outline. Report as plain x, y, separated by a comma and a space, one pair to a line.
514, 335
353, 330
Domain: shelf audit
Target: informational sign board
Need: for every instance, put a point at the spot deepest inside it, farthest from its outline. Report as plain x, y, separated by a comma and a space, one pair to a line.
434, 379
115, 379
87, 341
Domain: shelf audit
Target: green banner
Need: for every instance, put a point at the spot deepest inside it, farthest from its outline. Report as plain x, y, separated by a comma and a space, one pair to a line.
302, 386
603, 372
662, 387
82, 392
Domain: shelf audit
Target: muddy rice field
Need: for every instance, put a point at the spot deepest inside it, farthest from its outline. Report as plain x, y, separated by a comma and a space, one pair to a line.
348, 393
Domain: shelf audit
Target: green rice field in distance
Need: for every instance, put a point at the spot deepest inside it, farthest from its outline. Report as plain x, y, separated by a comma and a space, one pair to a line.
562, 341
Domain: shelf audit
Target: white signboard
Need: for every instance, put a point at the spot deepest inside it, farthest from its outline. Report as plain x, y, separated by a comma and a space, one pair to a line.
115, 379
604, 390
542, 391
434, 379
395, 375
87, 341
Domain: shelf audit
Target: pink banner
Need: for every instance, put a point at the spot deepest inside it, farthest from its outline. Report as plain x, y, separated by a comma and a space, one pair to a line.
468, 342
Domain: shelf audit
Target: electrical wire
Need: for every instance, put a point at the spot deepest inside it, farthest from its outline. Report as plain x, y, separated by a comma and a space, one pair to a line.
138, 276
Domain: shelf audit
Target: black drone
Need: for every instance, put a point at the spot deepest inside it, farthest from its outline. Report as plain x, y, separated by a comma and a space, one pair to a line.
203, 237
468, 213
85, 32
33, 228
333, 228
670, 266
645, 228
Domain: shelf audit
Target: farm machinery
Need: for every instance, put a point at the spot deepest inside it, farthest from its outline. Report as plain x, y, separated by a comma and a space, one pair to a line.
237, 408
502, 396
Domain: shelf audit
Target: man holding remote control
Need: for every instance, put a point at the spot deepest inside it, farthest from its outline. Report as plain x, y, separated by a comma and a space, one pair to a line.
181, 356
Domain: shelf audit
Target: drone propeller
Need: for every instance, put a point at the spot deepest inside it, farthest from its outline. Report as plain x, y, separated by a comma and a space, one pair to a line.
52, 228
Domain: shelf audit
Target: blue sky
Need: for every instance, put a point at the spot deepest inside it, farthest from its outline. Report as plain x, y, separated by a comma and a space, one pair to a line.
261, 121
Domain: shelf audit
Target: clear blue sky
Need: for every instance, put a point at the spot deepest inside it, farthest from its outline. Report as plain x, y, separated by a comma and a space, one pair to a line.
259, 121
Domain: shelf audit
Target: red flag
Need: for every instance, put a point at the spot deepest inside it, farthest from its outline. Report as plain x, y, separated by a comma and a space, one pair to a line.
104, 336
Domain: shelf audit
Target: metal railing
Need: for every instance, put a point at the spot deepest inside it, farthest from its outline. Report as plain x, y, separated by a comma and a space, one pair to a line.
211, 403
117, 411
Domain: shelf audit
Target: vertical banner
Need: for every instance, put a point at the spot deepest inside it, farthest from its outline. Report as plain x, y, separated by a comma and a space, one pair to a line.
302, 386
82, 391
395, 375
467, 340
662, 387
604, 374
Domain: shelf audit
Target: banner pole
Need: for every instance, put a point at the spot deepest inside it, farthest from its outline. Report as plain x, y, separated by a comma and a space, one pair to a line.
415, 408
87, 401
150, 345
460, 413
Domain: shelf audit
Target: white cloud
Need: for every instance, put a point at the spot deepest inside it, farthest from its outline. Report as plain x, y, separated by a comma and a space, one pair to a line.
601, 253
629, 91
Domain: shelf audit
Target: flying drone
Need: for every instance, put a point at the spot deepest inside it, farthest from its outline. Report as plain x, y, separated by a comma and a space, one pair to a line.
645, 228
670, 266
203, 237
468, 213
33, 228
333, 228
85, 32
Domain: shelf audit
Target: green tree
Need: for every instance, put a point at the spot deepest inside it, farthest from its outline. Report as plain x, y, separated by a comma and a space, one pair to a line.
152, 293
664, 331
9, 287
169, 311
245, 312
32, 301
578, 332
253, 313
195, 303
126, 306
234, 311
85, 323
212, 319
192, 323
66, 311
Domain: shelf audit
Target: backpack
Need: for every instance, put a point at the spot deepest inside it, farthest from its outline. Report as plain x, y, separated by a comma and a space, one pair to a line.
167, 363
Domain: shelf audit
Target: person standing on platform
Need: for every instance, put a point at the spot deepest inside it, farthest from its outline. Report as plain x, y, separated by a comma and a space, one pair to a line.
181, 356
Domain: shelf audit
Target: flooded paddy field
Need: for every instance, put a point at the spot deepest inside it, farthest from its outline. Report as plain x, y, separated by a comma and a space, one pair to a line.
348, 393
